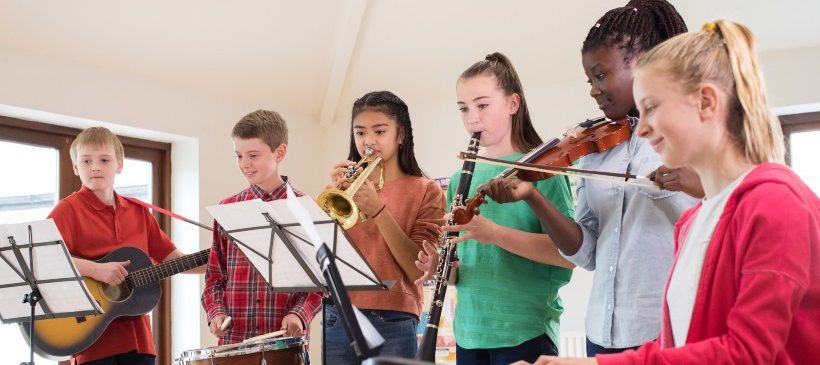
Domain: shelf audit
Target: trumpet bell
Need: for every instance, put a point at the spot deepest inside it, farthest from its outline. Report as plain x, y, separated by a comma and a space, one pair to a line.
339, 206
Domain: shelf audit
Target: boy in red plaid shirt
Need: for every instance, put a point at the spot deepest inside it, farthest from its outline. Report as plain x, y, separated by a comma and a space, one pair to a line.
233, 287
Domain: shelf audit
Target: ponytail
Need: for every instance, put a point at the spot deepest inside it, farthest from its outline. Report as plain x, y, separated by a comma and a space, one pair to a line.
524, 136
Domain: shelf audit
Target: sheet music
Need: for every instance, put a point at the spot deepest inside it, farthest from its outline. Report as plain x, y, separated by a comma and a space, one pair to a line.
245, 223
58, 279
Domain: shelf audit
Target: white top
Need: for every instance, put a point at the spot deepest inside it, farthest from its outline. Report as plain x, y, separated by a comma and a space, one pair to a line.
683, 286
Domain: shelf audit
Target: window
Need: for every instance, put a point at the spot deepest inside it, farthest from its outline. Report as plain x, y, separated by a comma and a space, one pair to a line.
802, 134
804, 147
28, 194
42, 174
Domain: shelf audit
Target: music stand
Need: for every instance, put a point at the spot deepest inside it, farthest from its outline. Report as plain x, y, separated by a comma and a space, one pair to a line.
42, 273
276, 244
276, 237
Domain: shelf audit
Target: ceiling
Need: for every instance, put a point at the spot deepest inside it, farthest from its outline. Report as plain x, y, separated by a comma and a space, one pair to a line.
316, 55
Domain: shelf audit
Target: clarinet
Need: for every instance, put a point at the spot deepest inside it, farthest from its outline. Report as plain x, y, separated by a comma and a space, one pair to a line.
427, 347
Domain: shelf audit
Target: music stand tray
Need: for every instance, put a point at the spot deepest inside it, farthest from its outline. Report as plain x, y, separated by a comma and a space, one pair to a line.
38, 279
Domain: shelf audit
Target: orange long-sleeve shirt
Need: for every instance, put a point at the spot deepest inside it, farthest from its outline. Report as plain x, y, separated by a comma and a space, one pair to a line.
415, 203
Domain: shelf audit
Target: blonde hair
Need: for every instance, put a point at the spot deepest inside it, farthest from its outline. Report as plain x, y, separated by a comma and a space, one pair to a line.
723, 53
98, 137
266, 125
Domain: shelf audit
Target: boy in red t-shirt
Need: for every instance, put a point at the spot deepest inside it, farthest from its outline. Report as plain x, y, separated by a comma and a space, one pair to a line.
95, 221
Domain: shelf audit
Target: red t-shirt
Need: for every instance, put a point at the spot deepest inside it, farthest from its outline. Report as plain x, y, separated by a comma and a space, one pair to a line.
92, 229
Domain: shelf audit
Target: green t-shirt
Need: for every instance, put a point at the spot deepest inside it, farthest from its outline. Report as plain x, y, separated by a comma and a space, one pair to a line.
505, 299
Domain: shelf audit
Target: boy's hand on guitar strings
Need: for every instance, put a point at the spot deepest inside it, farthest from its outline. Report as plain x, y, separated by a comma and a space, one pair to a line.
111, 273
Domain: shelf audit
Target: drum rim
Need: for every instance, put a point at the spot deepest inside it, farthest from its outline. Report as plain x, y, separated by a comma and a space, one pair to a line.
273, 344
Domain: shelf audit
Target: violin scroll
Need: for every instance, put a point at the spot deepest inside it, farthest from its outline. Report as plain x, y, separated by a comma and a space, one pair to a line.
463, 215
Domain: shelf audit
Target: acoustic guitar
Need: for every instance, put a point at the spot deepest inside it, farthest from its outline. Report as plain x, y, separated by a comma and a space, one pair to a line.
138, 294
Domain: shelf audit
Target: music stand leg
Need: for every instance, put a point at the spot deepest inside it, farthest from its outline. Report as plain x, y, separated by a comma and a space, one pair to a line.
32, 299
338, 292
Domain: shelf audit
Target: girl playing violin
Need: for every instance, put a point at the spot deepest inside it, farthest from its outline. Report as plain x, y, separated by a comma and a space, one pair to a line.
623, 233
401, 213
745, 286
508, 305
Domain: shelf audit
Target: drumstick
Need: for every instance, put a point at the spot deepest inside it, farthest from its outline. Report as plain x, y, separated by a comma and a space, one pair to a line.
267, 335
226, 323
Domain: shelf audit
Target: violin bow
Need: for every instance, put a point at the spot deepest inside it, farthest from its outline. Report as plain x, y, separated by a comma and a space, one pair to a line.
567, 171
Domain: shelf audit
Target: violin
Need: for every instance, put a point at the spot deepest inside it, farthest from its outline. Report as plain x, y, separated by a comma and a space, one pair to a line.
556, 156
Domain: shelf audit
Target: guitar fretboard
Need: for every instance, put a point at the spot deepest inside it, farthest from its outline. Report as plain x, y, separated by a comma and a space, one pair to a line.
163, 270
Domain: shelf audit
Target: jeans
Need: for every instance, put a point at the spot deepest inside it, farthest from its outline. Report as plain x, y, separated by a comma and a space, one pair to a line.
527, 351
397, 328
593, 349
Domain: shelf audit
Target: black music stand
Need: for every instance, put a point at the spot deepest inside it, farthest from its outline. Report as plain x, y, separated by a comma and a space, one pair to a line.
43, 274
276, 237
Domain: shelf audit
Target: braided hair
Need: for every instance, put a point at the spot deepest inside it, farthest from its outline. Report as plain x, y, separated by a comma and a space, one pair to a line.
524, 136
389, 104
636, 27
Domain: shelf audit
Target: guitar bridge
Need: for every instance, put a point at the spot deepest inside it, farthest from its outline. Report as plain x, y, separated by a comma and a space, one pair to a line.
80, 319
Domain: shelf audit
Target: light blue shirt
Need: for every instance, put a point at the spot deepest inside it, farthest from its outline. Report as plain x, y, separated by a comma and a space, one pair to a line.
627, 241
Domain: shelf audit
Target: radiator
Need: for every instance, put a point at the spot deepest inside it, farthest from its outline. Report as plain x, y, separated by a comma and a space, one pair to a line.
573, 343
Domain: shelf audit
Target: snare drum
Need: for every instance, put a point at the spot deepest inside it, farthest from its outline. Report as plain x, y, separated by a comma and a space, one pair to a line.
286, 351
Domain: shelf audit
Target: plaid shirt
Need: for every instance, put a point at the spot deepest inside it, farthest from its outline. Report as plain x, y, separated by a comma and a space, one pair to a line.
234, 287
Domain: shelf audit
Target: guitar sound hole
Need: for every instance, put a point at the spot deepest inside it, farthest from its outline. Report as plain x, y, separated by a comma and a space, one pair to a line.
116, 293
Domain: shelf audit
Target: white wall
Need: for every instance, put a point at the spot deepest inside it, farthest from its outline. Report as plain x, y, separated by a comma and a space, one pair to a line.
790, 76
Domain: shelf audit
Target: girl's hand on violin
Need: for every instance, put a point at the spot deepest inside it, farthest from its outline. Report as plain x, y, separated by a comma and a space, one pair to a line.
367, 199
683, 179
338, 179
479, 228
507, 190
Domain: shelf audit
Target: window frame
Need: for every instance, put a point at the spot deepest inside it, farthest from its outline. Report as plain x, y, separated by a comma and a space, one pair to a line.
796, 123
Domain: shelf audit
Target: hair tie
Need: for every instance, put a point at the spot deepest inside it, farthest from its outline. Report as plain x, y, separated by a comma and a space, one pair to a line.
710, 27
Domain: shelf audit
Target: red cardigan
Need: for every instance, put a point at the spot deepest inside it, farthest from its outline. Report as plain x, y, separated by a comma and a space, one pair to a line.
758, 300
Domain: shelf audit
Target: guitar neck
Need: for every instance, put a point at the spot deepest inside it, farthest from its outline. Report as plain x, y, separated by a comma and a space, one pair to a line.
168, 268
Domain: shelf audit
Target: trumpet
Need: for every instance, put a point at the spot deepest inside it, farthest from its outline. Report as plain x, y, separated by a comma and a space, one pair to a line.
339, 203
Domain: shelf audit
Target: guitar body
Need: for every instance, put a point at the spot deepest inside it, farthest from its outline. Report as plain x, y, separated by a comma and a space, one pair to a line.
63, 337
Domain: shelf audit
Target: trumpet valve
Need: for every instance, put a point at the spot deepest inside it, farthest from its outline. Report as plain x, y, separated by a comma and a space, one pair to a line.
350, 174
